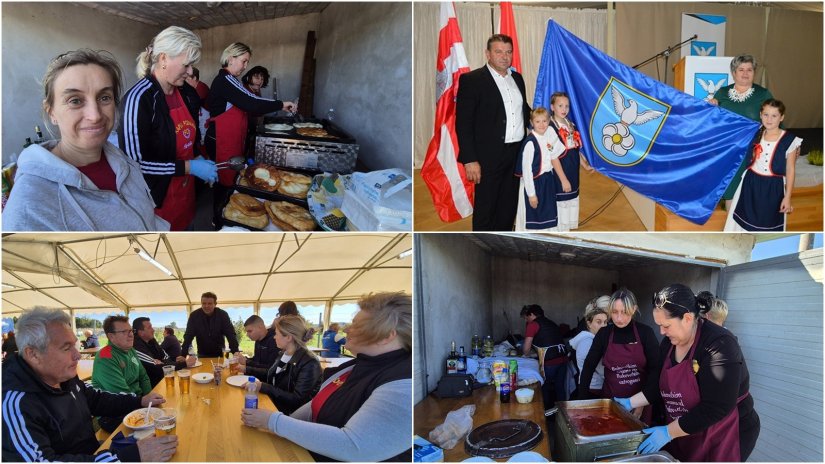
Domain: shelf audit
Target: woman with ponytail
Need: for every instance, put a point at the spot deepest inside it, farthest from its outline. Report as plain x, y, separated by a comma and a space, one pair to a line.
764, 196
703, 382
160, 125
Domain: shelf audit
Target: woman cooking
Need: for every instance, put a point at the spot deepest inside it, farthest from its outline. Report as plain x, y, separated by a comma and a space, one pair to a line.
744, 98
627, 349
363, 410
704, 383
160, 125
229, 103
80, 182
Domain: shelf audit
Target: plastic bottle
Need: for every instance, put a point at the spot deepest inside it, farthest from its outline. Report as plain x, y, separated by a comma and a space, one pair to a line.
251, 396
193, 353
504, 392
331, 115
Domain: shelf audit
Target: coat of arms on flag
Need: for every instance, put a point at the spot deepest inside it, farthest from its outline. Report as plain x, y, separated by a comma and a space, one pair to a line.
625, 123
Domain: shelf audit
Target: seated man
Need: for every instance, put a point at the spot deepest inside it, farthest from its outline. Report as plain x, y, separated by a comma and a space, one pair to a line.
151, 355
170, 344
47, 410
266, 351
91, 340
117, 368
332, 342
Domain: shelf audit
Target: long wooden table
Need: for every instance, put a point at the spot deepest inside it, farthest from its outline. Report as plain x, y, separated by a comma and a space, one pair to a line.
432, 411
209, 426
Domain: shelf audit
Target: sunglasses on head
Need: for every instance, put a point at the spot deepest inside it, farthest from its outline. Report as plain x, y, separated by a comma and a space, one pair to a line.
660, 300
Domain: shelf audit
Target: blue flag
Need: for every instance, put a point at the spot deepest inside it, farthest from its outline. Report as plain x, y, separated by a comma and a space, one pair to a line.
665, 144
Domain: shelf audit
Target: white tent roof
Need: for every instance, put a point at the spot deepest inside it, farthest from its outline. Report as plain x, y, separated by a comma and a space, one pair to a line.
100, 272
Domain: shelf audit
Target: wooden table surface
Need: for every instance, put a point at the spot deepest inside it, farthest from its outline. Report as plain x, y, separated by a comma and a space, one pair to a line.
432, 411
213, 432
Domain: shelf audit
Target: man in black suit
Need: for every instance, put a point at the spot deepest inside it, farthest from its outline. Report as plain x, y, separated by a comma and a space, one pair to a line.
491, 119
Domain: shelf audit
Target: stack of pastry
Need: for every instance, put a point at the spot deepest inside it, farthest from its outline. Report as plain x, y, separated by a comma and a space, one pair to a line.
246, 210
293, 184
262, 177
289, 217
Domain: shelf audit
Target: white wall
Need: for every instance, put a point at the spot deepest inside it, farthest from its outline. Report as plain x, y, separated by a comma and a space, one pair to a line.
277, 44
364, 72
33, 34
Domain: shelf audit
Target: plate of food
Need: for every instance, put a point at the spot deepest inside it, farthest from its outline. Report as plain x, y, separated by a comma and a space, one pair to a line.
277, 127
136, 420
203, 377
238, 380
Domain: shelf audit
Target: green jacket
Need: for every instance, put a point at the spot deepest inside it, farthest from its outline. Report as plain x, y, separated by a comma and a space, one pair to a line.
119, 371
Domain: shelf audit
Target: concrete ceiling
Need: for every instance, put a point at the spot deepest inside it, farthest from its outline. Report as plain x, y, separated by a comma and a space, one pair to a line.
802, 6
203, 15
577, 252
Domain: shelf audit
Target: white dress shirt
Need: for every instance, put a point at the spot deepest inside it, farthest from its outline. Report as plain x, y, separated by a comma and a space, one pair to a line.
513, 104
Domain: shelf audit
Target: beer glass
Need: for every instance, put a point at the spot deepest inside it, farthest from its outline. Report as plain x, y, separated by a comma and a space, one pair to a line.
169, 375
233, 366
183, 376
166, 423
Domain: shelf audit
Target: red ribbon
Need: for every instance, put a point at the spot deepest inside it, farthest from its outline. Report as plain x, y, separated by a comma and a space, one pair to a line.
757, 150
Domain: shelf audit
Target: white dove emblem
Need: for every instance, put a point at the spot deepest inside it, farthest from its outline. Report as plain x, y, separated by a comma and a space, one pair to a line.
630, 114
710, 87
702, 51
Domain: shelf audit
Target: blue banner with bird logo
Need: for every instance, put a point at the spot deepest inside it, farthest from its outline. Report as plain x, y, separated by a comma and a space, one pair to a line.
675, 149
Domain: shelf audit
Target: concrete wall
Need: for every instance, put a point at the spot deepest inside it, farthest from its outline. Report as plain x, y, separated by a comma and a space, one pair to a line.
33, 34
364, 72
453, 297
561, 290
277, 44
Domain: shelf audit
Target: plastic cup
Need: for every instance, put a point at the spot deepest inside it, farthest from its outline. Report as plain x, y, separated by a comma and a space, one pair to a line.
217, 369
166, 424
169, 375
184, 375
233, 366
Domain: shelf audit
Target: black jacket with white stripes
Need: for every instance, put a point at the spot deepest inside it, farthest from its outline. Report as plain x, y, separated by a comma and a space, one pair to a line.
43, 423
147, 352
227, 91
147, 133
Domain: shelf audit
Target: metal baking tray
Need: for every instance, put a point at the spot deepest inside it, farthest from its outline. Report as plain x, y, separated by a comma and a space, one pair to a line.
274, 196
572, 446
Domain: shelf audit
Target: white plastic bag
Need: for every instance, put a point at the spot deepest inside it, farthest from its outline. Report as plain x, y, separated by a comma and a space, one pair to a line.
457, 425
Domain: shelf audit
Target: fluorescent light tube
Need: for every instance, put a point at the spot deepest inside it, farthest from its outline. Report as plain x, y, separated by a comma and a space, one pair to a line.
152, 261
404, 254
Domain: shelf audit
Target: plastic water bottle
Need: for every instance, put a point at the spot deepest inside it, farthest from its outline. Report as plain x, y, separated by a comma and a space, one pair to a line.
331, 115
251, 397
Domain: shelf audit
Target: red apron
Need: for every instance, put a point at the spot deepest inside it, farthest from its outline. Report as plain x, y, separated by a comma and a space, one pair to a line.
680, 392
179, 203
230, 134
624, 370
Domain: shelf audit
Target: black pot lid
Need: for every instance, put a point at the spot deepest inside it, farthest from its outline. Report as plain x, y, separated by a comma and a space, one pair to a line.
503, 438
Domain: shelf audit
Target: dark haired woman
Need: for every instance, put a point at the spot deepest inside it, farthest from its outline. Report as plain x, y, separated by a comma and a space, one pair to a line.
628, 350
703, 382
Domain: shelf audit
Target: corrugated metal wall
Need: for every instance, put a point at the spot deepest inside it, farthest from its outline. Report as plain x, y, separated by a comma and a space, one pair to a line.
776, 312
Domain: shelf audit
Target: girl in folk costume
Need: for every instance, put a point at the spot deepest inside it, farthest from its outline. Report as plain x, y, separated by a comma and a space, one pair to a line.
764, 196
568, 201
537, 189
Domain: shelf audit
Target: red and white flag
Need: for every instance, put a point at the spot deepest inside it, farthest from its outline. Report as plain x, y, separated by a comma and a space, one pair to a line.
507, 26
451, 191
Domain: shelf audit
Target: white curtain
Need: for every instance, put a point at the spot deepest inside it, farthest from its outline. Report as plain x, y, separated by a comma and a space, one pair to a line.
477, 23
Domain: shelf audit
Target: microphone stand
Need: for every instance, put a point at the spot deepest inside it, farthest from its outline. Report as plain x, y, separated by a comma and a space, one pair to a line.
665, 53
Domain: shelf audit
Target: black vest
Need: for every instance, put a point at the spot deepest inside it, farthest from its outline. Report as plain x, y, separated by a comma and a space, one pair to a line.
368, 373
549, 334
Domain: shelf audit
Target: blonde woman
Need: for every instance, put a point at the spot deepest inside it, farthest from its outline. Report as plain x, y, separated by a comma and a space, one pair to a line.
294, 377
627, 348
363, 411
160, 125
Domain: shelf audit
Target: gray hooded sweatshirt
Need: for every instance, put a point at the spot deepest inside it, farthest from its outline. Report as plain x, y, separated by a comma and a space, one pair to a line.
51, 194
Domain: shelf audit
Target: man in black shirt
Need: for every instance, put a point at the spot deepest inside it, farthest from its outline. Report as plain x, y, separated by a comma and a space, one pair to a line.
208, 325
265, 348
150, 354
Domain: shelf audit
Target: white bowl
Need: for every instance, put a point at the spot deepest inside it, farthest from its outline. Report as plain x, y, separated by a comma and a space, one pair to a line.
203, 377
524, 395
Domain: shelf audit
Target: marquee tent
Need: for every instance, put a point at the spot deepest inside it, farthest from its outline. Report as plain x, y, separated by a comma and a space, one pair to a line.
96, 273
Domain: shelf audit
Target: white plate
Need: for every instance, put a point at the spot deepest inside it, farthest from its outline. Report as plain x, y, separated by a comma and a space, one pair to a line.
277, 127
198, 364
237, 380
141, 413
203, 377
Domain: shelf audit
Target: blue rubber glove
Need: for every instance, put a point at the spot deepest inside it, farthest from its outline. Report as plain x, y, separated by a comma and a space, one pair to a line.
623, 402
659, 437
203, 169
